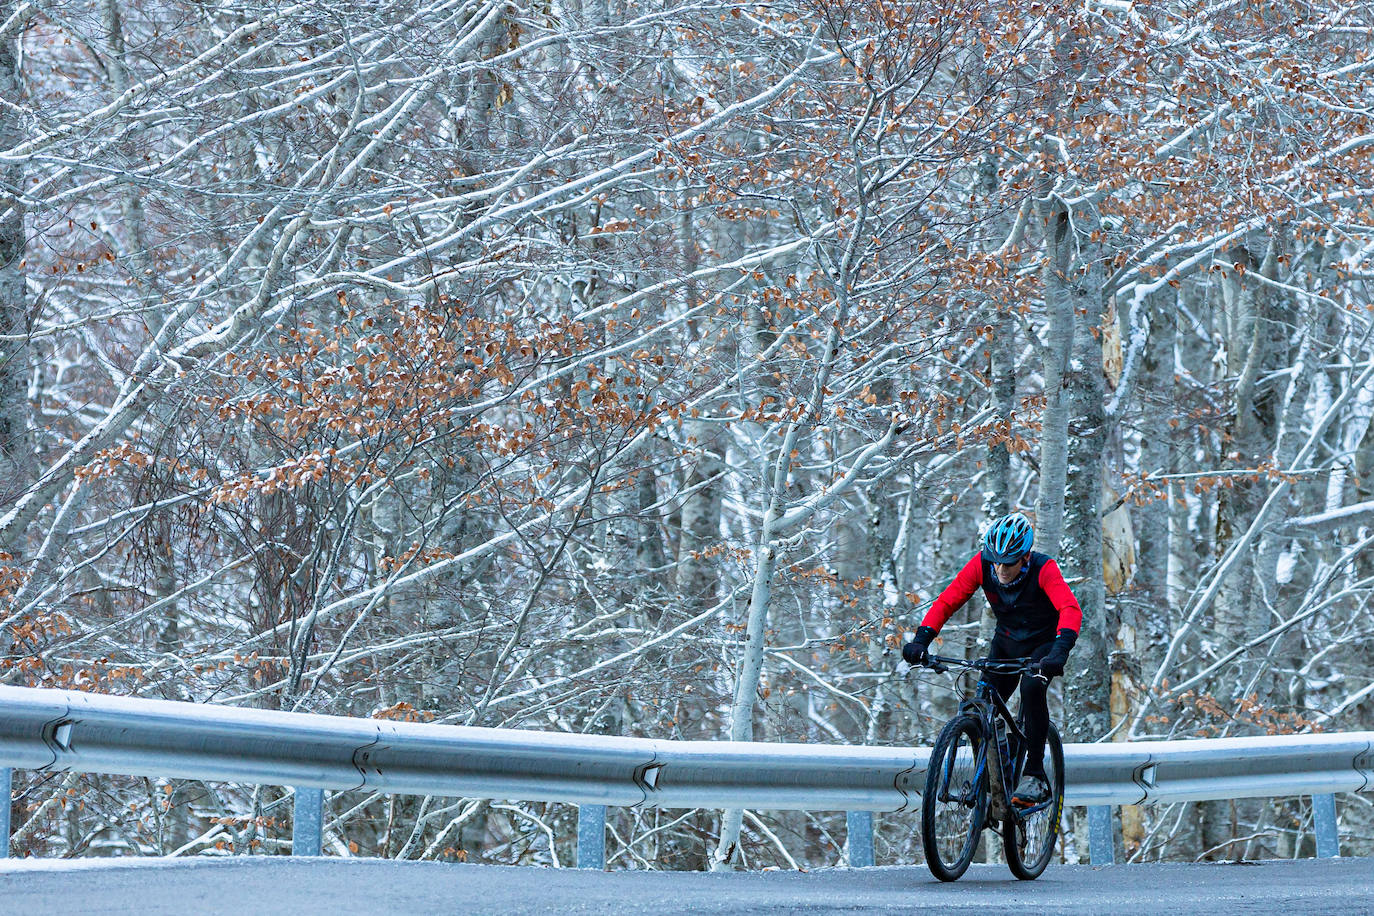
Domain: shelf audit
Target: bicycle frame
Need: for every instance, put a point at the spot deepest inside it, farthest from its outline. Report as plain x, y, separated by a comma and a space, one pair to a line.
987, 704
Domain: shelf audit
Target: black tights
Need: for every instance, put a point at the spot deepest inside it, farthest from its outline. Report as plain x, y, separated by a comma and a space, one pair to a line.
1034, 695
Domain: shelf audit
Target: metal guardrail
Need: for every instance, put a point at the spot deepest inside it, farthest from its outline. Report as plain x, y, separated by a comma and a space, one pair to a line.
1144, 773
70, 730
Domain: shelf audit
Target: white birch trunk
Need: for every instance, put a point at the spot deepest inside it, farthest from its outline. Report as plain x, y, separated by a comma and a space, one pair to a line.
751, 667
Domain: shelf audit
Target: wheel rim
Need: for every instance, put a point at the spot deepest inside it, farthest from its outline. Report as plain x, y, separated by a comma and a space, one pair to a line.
957, 800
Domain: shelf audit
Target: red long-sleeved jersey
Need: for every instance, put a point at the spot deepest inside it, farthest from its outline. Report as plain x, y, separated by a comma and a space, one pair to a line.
1037, 605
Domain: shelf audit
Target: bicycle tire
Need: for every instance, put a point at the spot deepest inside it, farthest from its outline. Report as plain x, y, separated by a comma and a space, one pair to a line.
1028, 840
951, 823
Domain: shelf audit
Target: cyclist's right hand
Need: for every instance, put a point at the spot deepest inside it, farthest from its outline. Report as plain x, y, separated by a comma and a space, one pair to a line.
917, 652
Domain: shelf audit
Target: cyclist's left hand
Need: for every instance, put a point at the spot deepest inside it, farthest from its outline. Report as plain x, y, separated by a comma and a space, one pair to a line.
1052, 665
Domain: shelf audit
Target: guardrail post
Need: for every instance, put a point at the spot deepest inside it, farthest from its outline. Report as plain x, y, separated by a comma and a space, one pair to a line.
1101, 842
307, 822
1324, 825
591, 836
6, 791
859, 825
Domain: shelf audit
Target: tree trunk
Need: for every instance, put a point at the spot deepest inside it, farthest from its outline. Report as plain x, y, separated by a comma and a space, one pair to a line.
751, 667
1251, 351
997, 494
1151, 600
1258, 321
697, 576
1054, 443
16, 449
1087, 689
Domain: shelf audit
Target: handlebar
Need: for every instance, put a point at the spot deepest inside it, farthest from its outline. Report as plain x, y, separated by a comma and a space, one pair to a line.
988, 665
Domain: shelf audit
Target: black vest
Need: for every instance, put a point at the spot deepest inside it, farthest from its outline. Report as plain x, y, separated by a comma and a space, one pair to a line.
1023, 611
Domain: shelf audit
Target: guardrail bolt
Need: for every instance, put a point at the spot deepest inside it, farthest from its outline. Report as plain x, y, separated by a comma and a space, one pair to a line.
591, 836
859, 825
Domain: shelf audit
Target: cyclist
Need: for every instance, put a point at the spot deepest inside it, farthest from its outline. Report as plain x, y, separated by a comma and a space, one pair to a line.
1037, 617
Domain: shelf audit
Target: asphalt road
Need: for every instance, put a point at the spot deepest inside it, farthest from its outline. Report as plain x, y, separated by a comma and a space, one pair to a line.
339, 886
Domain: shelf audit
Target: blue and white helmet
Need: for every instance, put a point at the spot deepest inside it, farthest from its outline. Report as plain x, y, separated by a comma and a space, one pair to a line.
1008, 539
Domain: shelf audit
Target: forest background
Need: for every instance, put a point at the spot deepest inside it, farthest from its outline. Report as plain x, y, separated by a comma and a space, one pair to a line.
645, 368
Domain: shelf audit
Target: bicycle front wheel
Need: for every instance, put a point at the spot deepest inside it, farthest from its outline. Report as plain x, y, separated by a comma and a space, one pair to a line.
1029, 836
955, 800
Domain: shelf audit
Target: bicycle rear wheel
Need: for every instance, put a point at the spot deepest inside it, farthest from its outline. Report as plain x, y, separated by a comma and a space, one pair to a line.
955, 800
1029, 836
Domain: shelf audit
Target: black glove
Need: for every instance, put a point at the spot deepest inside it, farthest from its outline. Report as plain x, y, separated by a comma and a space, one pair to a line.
1052, 664
917, 652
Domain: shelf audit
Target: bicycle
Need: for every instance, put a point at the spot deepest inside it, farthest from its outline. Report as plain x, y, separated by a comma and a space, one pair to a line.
965, 785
